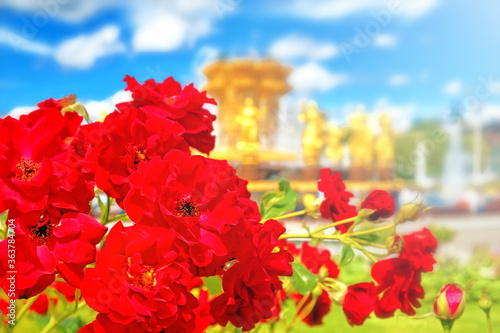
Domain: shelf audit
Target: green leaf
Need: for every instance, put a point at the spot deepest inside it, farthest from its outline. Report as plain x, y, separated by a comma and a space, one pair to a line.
347, 255
368, 237
214, 284
302, 279
274, 204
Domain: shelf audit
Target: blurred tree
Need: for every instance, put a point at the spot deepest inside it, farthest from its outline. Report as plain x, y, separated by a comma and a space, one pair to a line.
432, 135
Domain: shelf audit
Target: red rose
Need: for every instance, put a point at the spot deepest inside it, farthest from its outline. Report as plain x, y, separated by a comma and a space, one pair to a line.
140, 283
336, 204
200, 198
399, 282
320, 310
419, 248
182, 105
252, 280
50, 244
382, 202
36, 168
359, 302
318, 262
314, 259
83, 145
204, 318
35, 267
128, 139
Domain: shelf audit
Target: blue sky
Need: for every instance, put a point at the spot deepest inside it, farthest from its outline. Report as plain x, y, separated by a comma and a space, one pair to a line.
415, 64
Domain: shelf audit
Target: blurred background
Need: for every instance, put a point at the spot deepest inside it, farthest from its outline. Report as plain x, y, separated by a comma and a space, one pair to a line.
398, 95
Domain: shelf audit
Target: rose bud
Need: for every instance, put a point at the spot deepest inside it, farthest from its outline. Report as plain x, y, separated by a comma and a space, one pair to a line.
449, 304
485, 303
394, 244
311, 203
410, 212
381, 202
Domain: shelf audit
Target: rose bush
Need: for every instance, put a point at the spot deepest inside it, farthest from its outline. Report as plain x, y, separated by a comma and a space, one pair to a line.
186, 220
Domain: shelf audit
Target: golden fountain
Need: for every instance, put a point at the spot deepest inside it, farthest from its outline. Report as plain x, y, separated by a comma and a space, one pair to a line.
248, 93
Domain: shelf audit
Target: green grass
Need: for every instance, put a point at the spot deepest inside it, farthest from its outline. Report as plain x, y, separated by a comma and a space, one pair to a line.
473, 320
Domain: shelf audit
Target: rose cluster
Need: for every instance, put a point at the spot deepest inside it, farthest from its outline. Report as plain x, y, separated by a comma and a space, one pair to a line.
192, 216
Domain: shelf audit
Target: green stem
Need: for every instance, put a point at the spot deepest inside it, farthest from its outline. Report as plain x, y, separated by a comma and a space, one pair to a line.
490, 327
331, 225
336, 237
122, 217
359, 247
25, 308
372, 231
300, 212
362, 241
54, 322
105, 214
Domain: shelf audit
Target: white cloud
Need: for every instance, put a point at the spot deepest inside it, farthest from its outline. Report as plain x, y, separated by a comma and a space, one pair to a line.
311, 77
158, 26
19, 43
74, 11
385, 40
300, 47
328, 9
452, 88
20, 110
96, 108
399, 80
81, 52
170, 25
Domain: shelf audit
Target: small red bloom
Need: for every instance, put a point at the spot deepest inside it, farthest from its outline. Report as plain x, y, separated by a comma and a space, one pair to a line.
128, 139
200, 198
252, 279
204, 318
36, 168
359, 302
318, 262
182, 105
336, 204
399, 282
320, 310
419, 248
140, 283
47, 244
382, 202
314, 259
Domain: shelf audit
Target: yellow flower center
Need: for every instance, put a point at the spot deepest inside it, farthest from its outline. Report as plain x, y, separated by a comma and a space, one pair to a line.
147, 279
26, 169
186, 207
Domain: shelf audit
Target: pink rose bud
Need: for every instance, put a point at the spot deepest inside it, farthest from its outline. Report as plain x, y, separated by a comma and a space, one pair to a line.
450, 304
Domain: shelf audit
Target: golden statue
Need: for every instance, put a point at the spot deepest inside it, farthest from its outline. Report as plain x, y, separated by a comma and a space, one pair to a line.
334, 149
361, 146
312, 140
229, 81
248, 131
384, 145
